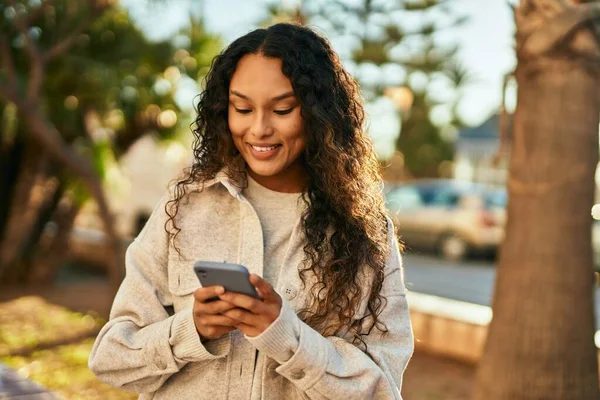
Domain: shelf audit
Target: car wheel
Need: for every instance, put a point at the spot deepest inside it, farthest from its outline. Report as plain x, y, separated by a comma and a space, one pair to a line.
453, 247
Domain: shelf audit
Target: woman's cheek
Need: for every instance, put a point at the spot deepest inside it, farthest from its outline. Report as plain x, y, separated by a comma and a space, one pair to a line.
235, 123
237, 130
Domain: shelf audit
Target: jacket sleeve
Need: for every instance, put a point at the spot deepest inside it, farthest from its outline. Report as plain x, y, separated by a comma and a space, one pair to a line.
141, 346
332, 367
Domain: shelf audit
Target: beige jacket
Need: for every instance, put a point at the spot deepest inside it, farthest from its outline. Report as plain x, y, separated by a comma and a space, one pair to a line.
150, 345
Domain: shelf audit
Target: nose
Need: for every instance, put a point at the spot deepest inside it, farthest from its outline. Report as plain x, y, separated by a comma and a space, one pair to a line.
261, 125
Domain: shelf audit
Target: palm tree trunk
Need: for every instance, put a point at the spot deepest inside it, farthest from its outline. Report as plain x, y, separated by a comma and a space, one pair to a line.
541, 339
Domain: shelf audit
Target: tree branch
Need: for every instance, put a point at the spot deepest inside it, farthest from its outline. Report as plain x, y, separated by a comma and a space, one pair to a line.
8, 94
8, 65
559, 29
35, 59
37, 12
37, 76
65, 44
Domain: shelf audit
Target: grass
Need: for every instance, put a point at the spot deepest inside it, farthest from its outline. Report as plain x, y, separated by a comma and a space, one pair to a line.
29, 323
30, 331
63, 370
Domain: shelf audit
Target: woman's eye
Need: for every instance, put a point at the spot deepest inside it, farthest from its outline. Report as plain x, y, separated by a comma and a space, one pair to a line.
284, 112
242, 111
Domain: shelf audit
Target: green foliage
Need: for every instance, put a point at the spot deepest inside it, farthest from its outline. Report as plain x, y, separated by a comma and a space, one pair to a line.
278, 14
113, 82
372, 51
116, 68
111, 87
420, 142
202, 49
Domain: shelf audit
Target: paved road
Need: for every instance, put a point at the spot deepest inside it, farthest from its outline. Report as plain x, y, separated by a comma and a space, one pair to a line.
471, 281
13, 386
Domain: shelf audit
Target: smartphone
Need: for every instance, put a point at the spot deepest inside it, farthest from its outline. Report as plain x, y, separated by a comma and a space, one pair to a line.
233, 277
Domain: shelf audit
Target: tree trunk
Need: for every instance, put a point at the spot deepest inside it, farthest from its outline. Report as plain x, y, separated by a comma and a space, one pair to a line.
32, 193
10, 161
54, 245
53, 143
541, 338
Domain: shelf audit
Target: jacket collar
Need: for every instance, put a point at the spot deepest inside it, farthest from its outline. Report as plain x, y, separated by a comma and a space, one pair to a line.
233, 187
223, 177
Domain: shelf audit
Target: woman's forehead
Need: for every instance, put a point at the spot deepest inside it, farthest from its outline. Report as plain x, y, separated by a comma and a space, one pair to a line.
257, 75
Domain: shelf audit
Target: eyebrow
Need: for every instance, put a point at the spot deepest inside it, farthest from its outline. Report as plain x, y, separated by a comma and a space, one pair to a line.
276, 98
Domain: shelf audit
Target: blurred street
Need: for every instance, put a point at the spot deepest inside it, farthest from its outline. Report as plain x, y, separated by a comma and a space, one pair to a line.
471, 281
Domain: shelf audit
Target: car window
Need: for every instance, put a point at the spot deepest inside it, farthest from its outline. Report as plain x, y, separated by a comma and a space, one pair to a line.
404, 198
428, 194
446, 198
496, 198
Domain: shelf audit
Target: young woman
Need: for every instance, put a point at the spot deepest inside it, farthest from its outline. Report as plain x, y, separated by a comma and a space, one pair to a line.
286, 183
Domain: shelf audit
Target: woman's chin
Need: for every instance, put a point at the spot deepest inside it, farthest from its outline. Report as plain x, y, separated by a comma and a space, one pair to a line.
263, 171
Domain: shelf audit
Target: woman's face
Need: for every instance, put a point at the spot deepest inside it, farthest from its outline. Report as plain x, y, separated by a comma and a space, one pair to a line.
266, 125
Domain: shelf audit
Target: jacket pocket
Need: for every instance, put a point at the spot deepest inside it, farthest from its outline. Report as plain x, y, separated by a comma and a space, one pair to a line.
183, 282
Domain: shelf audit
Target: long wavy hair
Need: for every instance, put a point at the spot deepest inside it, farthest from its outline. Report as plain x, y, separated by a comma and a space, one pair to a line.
344, 222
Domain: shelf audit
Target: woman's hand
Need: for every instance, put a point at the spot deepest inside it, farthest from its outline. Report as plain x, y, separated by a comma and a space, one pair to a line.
253, 316
208, 318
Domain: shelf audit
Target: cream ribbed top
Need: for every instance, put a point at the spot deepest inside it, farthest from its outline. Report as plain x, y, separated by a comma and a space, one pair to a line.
278, 214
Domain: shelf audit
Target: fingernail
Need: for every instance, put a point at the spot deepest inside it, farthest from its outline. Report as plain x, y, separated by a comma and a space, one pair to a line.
220, 290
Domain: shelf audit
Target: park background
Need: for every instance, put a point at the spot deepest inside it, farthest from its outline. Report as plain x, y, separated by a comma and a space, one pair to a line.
96, 102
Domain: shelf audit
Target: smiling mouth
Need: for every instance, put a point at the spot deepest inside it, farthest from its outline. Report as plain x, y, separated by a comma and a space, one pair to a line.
263, 149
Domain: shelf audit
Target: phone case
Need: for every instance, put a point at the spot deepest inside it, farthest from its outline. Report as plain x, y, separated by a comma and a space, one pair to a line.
233, 277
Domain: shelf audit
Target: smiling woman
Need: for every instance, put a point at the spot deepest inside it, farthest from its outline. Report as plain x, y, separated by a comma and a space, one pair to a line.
267, 130
284, 182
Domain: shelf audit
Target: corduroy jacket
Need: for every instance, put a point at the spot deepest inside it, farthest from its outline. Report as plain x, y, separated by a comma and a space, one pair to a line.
150, 344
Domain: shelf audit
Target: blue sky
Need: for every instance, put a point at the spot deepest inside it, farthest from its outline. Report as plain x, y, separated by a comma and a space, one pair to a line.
486, 44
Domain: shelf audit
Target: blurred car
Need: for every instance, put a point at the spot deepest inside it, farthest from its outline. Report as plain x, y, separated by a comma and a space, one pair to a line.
451, 217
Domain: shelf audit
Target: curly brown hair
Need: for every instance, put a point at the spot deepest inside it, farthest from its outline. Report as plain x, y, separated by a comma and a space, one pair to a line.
344, 222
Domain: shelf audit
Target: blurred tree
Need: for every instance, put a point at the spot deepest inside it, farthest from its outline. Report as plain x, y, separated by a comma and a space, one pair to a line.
79, 85
277, 13
541, 339
384, 40
421, 143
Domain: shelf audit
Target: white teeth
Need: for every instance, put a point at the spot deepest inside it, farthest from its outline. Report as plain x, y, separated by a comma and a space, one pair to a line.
263, 149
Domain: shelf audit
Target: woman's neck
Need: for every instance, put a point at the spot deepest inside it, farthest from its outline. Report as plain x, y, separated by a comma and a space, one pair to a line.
291, 180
